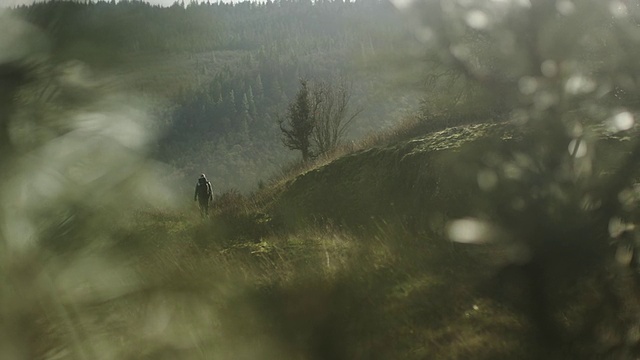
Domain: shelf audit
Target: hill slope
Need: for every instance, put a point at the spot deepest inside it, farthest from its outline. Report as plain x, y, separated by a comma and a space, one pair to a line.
408, 180
388, 213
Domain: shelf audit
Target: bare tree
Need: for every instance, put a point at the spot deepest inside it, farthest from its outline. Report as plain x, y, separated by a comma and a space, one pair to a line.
331, 116
318, 118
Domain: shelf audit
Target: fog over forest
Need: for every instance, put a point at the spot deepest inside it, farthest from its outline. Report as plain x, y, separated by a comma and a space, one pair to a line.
320, 180
219, 76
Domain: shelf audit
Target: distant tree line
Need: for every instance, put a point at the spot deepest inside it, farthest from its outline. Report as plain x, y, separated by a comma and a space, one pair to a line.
297, 28
245, 61
231, 121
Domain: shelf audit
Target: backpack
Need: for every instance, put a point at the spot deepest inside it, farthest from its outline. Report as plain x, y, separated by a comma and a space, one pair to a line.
204, 189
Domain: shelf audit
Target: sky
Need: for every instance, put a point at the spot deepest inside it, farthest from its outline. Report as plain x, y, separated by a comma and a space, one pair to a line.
12, 3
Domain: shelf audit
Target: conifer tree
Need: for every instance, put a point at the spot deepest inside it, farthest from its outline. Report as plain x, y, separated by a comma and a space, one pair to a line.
298, 125
259, 88
251, 102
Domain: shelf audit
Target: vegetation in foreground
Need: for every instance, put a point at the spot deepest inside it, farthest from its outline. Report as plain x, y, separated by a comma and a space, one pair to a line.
352, 258
362, 266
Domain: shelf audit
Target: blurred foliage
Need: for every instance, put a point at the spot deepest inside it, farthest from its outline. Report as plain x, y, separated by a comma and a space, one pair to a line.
73, 167
352, 258
563, 72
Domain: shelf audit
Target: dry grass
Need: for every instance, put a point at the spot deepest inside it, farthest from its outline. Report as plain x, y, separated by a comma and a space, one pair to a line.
317, 293
410, 127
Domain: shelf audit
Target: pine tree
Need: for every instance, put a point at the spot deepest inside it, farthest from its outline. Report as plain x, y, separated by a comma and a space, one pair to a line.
259, 88
230, 104
251, 103
298, 125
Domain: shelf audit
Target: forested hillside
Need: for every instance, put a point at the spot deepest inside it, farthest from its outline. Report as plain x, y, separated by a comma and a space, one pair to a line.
220, 75
498, 223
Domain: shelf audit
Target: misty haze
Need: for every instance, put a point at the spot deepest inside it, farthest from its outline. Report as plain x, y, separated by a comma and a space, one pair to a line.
411, 179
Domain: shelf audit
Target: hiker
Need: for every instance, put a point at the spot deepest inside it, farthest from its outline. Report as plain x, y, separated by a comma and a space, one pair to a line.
204, 195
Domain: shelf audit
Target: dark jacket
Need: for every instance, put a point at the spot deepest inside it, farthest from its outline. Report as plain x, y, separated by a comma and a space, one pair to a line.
203, 190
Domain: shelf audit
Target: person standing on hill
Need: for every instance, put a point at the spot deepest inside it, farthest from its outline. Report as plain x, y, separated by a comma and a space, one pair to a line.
204, 195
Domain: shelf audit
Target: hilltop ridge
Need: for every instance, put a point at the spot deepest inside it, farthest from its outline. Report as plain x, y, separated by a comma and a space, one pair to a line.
397, 180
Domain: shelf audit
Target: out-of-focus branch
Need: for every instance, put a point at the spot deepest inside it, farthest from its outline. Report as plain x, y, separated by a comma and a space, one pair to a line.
12, 77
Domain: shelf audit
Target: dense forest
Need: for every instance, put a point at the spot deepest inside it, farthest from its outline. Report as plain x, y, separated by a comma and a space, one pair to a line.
221, 74
491, 216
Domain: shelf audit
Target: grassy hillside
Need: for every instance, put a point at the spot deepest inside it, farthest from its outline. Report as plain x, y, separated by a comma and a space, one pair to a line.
406, 180
510, 240
345, 260
354, 259
339, 263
